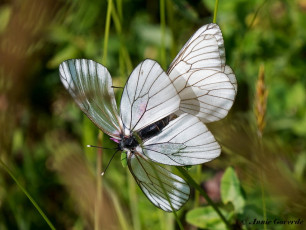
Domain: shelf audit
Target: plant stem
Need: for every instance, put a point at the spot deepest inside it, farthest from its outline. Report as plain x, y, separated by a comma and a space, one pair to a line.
167, 196
192, 182
119, 211
260, 108
263, 197
215, 11
256, 13
163, 33
197, 193
124, 58
98, 182
100, 135
171, 23
133, 201
27, 194
106, 35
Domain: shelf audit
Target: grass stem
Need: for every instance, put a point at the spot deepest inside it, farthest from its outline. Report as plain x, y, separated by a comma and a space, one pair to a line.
260, 108
119, 211
27, 194
197, 193
215, 11
193, 183
133, 202
263, 198
100, 135
163, 33
167, 196
107, 26
98, 182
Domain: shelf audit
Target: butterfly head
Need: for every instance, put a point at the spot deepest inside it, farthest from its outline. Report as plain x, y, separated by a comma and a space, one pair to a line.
128, 143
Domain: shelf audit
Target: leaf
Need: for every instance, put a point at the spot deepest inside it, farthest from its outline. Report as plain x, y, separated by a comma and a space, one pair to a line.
123, 159
205, 217
231, 190
296, 97
300, 166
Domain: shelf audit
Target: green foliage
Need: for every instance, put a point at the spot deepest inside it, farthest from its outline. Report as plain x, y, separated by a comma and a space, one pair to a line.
231, 190
123, 159
205, 217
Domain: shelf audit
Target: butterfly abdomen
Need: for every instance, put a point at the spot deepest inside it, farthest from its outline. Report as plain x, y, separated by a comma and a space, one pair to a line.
153, 129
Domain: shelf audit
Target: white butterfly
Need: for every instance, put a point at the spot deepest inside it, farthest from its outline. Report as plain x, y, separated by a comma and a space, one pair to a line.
143, 128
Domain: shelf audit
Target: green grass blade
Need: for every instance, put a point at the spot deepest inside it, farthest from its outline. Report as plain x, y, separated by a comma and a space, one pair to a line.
197, 193
215, 11
119, 211
106, 35
28, 195
163, 33
133, 201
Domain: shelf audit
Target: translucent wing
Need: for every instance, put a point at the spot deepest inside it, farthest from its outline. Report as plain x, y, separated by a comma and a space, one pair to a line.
205, 49
89, 83
205, 85
158, 184
148, 96
206, 94
230, 74
184, 141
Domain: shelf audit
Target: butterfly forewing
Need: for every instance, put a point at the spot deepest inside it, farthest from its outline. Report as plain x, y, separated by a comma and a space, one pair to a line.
89, 83
163, 188
205, 85
148, 96
185, 141
205, 49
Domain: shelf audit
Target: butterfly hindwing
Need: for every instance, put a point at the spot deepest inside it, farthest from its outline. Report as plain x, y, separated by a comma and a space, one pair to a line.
148, 96
163, 188
89, 83
209, 95
184, 141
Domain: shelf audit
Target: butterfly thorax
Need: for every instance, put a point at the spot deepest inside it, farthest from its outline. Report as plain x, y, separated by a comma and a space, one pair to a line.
128, 142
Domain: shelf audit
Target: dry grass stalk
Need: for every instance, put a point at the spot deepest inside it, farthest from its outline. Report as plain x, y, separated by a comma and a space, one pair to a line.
76, 175
260, 101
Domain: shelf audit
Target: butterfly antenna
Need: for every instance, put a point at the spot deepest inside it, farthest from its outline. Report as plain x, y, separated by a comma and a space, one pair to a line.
102, 174
99, 147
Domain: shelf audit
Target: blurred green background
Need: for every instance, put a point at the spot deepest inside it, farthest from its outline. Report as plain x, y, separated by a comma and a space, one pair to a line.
44, 134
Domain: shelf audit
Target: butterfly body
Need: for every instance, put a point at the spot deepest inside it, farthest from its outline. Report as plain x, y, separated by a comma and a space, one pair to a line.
130, 142
153, 129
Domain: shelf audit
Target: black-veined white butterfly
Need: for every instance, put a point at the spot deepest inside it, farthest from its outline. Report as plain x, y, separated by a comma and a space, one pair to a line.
143, 128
